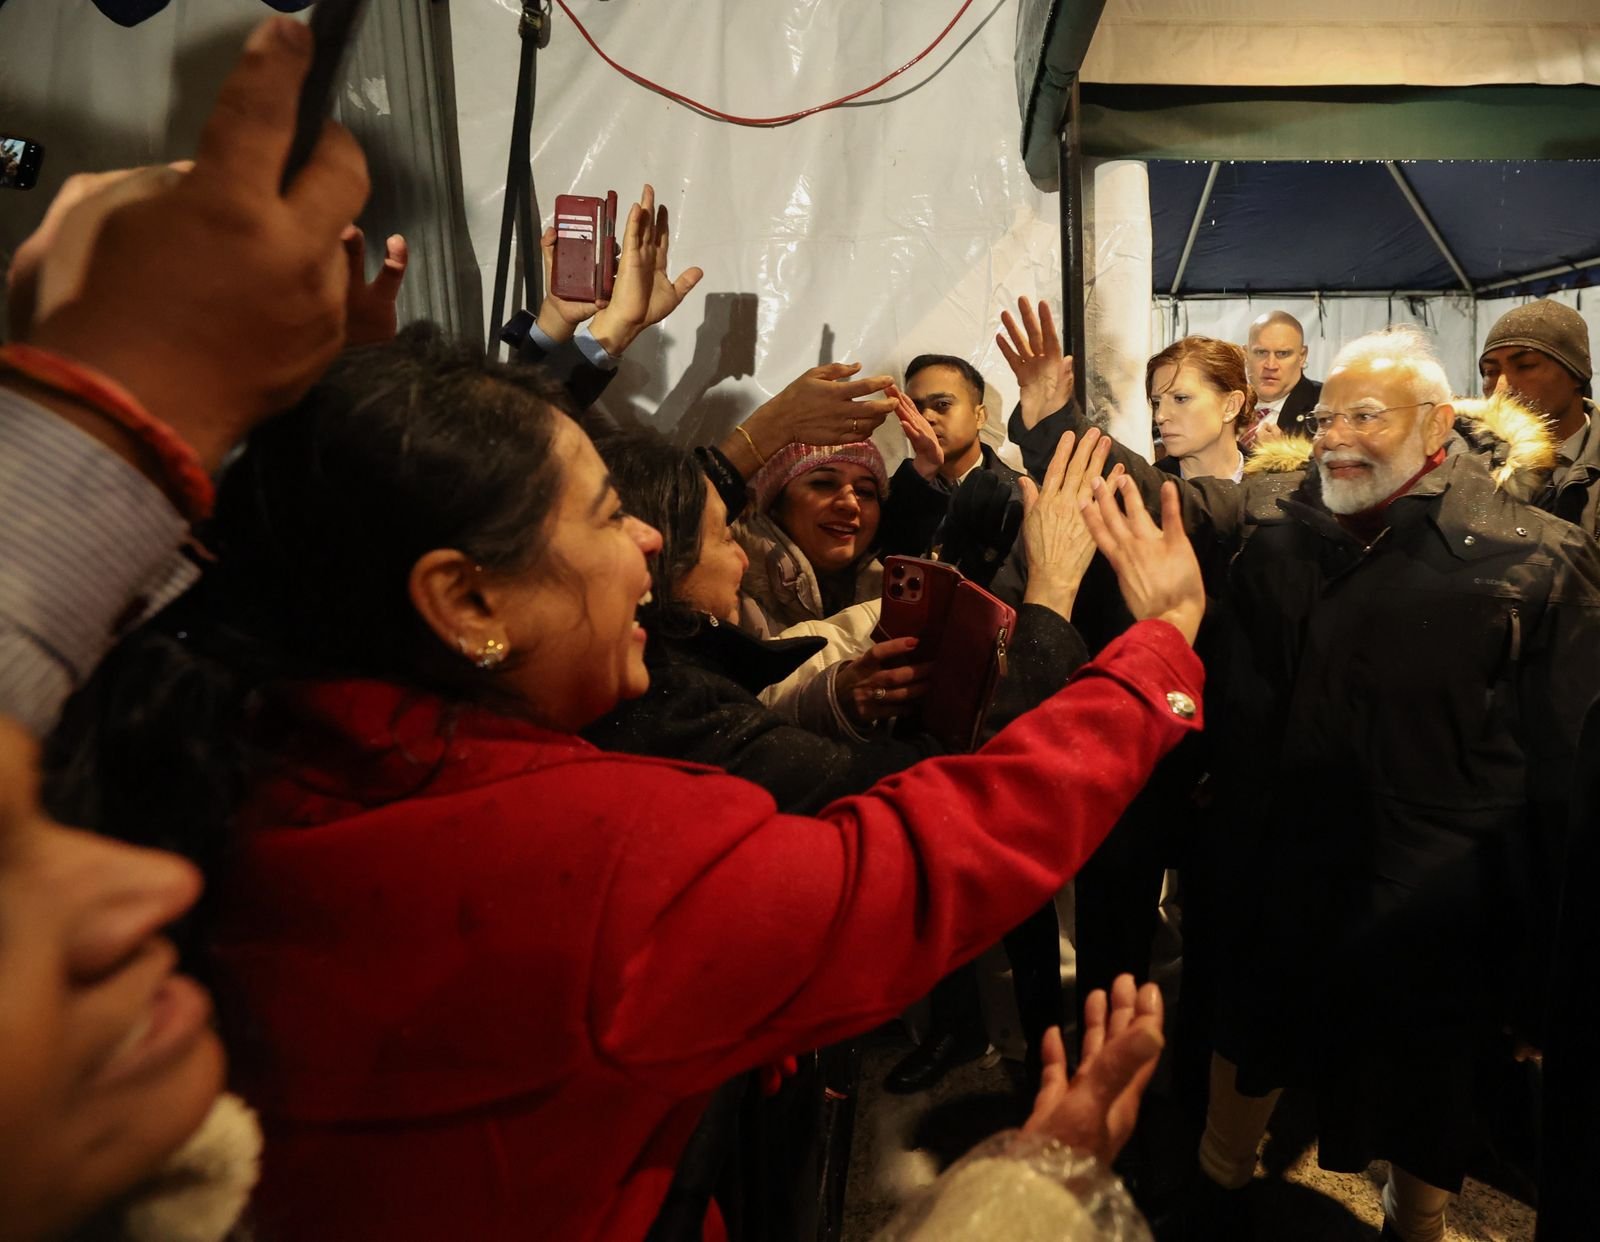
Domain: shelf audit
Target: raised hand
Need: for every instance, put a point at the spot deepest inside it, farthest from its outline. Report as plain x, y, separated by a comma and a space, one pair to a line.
1156, 566
1054, 533
825, 405
927, 452
1122, 1041
642, 293
1033, 352
216, 296
370, 314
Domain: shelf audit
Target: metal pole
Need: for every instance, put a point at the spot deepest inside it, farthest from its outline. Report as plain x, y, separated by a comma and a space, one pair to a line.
1563, 269
1194, 228
1072, 274
1427, 223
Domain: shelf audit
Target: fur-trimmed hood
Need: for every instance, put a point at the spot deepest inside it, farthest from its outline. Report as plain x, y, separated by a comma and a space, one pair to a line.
1514, 441
781, 587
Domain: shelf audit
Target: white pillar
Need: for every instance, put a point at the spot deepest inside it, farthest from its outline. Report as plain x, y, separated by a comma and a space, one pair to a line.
1118, 254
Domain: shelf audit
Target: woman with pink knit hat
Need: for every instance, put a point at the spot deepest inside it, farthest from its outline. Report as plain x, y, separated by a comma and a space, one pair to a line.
811, 534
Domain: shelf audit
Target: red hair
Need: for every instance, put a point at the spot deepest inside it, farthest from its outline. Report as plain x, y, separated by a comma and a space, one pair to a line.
1221, 364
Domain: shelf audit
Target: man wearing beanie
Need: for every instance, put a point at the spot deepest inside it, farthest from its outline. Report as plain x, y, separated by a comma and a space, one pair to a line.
1539, 353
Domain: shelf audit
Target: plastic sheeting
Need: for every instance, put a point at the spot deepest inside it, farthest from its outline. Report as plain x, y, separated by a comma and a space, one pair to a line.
1353, 43
871, 233
1023, 1188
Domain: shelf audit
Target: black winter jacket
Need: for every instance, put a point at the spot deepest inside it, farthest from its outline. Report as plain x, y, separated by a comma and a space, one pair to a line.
702, 706
1393, 729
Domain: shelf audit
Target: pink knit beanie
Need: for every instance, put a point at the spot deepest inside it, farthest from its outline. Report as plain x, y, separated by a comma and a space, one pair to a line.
793, 460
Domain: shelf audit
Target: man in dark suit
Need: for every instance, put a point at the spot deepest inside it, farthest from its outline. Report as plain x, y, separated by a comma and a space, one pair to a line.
1284, 396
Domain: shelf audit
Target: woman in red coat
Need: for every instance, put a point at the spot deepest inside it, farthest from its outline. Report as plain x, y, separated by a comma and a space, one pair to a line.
480, 976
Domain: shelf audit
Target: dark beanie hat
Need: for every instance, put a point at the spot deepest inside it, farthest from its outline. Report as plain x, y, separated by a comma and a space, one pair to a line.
1549, 327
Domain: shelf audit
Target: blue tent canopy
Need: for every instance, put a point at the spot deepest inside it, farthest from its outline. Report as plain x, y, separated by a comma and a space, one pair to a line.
1286, 226
132, 12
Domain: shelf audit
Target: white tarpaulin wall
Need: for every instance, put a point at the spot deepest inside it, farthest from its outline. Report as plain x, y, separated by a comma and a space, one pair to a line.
870, 233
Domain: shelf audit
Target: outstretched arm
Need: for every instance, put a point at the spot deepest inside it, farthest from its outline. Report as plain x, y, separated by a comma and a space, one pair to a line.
1212, 510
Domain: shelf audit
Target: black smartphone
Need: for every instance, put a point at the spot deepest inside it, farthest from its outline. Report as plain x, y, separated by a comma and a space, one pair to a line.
333, 26
19, 163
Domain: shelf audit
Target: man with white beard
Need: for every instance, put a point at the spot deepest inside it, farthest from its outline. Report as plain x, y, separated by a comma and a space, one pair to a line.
1399, 658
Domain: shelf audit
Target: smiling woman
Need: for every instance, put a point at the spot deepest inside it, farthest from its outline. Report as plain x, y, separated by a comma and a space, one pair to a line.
810, 540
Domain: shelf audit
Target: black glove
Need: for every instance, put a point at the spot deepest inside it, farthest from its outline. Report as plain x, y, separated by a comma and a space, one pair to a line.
984, 519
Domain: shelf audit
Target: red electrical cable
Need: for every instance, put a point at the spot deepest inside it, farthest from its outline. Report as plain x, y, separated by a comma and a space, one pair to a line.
766, 122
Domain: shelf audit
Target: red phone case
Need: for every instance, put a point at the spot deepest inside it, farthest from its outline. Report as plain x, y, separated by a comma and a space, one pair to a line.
584, 267
962, 630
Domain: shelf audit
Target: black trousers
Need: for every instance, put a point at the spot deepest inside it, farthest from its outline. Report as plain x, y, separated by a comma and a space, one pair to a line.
1034, 950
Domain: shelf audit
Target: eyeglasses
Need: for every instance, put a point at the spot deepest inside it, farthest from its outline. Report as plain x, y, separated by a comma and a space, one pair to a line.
1361, 422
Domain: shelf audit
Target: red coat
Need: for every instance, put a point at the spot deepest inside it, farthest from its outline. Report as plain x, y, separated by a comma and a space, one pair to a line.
480, 989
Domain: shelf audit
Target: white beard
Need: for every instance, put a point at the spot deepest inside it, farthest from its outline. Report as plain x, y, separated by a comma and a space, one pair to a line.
1345, 496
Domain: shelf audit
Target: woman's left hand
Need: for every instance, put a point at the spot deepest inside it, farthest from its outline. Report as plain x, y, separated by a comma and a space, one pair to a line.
881, 684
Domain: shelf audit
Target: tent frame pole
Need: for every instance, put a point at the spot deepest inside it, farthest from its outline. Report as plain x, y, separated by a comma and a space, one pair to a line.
1244, 295
1564, 269
1072, 230
1194, 227
1428, 224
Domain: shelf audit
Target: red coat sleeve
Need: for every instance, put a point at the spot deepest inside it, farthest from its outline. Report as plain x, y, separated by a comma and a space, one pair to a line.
731, 934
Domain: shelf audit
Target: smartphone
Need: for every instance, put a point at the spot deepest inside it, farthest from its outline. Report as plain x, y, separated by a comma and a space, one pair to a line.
19, 163
962, 630
916, 601
584, 267
333, 27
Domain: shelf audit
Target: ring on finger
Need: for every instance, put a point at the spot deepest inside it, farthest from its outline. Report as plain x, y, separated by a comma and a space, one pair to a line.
880, 694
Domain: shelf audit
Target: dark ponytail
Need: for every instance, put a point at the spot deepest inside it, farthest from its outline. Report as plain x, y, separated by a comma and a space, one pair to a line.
402, 448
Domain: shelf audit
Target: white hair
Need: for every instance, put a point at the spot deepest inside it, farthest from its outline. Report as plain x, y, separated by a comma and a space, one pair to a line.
1401, 348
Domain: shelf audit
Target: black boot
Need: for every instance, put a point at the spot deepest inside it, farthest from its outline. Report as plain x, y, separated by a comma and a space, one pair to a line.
930, 1061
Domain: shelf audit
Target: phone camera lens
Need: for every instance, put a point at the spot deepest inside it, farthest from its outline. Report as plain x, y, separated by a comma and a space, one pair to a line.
896, 590
915, 584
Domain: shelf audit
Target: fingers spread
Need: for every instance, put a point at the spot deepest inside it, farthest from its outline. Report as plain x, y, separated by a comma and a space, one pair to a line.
663, 238
1052, 339
867, 384
687, 279
1123, 1061
1094, 1024
1055, 474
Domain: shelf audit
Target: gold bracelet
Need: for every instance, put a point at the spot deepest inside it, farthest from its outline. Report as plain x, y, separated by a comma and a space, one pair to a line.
740, 429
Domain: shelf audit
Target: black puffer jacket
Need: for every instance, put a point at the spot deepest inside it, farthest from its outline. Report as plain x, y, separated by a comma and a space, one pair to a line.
1393, 733
702, 706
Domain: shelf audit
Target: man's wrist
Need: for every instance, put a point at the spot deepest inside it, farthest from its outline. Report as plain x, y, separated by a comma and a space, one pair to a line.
553, 323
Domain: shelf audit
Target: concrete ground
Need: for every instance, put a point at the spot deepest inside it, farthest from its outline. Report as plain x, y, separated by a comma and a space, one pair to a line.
901, 1143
